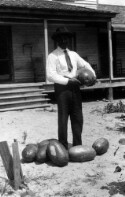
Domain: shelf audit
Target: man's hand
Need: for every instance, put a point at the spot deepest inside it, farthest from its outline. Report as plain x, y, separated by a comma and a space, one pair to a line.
73, 82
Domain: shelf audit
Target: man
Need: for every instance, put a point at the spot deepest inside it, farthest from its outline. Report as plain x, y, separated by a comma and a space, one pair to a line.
62, 65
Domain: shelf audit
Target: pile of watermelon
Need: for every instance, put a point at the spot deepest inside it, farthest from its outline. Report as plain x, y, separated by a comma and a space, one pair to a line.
52, 150
46, 150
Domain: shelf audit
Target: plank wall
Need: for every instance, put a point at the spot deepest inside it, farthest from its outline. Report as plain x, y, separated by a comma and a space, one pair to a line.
83, 3
87, 3
28, 53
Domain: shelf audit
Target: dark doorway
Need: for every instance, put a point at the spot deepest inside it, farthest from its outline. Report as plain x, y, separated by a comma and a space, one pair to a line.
103, 53
119, 54
5, 54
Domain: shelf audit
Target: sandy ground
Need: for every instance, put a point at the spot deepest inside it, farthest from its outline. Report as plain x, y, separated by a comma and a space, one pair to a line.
96, 178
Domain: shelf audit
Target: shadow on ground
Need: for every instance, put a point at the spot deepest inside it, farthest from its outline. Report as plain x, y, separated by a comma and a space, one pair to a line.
115, 188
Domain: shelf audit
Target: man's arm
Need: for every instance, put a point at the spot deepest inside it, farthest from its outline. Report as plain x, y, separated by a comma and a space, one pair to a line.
81, 63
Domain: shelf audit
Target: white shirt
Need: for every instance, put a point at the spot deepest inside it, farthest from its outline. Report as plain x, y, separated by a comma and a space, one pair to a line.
57, 69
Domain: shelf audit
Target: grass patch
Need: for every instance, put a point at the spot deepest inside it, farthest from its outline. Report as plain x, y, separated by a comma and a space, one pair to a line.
119, 107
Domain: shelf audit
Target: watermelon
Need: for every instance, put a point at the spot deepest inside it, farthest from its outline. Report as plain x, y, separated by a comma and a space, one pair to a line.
80, 153
86, 77
29, 153
101, 146
41, 155
42, 143
57, 153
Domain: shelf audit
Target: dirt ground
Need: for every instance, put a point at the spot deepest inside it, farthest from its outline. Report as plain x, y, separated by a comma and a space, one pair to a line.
96, 178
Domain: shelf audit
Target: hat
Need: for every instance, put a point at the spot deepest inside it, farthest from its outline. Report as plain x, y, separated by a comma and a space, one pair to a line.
61, 31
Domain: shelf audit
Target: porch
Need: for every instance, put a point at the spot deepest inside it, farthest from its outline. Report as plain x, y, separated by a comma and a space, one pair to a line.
22, 96
111, 88
26, 30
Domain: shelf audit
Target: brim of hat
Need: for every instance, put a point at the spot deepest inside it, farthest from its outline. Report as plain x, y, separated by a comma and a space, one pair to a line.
56, 35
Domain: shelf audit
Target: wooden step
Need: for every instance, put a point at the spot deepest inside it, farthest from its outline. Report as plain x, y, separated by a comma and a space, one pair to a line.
22, 96
18, 85
20, 103
17, 97
20, 91
25, 107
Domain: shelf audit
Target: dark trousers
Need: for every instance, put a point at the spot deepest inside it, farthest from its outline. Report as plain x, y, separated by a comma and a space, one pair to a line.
69, 105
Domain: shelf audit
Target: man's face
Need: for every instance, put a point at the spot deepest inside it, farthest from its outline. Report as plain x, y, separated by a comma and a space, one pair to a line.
63, 41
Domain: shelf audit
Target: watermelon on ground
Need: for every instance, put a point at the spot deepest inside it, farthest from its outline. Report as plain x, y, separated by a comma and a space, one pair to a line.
29, 153
81, 153
101, 146
43, 142
57, 153
41, 155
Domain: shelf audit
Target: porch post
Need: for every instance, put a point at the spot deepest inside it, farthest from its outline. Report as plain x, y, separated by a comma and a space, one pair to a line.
46, 43
110, 94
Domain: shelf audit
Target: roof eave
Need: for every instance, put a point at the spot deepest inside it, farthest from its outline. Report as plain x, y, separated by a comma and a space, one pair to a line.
53, 12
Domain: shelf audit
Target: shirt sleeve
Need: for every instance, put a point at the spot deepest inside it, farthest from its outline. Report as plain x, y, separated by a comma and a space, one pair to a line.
52, 74
81, 63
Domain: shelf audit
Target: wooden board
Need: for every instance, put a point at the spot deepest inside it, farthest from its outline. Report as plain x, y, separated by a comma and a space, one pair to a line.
7, 159
18, 175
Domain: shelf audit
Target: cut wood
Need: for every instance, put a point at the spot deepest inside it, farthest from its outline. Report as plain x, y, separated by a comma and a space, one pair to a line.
7, 159
18, 175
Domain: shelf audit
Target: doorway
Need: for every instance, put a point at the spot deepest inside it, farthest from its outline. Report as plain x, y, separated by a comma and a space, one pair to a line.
103, 53
5, 54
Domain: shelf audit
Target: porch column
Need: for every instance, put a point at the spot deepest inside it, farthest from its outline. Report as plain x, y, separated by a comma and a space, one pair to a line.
110, 94
46, 43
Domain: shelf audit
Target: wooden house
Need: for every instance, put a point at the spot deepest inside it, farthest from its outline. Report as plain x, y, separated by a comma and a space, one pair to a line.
118, 39
84, 3
118, 48
26, 27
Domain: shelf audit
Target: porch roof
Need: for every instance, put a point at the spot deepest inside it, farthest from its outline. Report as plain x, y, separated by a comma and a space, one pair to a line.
120, 10
51, 9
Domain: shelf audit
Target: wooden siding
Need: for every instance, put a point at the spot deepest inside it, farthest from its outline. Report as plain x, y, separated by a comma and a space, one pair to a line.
87, 3
83, 3
28, 53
